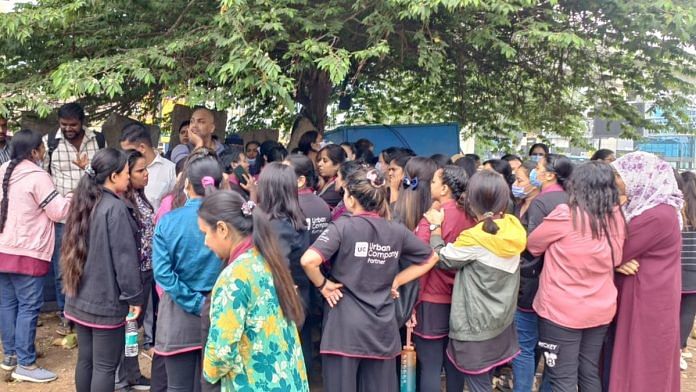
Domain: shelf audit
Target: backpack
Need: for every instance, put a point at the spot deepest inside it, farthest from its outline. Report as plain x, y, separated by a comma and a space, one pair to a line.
53, 144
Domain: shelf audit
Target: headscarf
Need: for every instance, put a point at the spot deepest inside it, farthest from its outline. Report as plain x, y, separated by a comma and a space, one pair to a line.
649, 182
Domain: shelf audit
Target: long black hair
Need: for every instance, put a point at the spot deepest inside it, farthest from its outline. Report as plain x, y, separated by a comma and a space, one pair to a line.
415, 199
559, 165
304, 167
369, 188
488, 196
22, 145
503, 168
203, 163
278, 194
87, 195
592, 198
226, 206
468, 164
457, 180
306, 140
132, 193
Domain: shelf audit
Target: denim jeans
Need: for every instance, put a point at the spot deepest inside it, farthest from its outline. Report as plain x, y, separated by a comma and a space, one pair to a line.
524, 365
55, 263
21, 298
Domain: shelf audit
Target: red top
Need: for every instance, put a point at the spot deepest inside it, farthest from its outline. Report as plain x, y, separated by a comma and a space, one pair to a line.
23, 265
436, 285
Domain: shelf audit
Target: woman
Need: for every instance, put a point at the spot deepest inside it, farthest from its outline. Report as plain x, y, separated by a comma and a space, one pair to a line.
144, 214
329, 160
688, 258
501, 167
582, 242
349, 148
278, 199
396, 176
486, 257
186, 272
523, 191
538, 151
27, 214
360, 339
101, 269
346, 169
550, 175
315, 210
603, 155
646, 344
236, 354
448, 189
310, 144
236, 165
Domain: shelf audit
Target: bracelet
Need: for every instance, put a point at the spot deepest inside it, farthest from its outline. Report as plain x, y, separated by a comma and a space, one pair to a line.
323, 284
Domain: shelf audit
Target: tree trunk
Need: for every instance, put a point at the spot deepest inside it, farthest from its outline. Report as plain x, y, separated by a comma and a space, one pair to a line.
313, 94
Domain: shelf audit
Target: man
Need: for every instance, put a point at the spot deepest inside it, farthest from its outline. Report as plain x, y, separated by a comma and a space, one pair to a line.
68, 152
4, 141
201, 132
161, 173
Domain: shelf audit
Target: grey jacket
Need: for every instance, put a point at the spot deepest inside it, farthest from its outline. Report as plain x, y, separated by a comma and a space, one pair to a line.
484, 297
111, 279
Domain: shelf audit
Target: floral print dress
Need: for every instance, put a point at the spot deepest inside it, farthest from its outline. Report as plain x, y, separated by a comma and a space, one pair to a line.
251, 346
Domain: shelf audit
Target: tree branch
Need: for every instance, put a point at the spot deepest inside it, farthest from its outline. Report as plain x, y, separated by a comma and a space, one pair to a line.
180, 18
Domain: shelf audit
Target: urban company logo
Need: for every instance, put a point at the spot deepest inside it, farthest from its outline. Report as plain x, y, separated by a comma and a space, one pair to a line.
375, 253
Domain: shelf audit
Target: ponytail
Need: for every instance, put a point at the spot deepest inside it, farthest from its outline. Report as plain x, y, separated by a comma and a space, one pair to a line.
21, 147
87, 195
4, 205
249, 220
489, 225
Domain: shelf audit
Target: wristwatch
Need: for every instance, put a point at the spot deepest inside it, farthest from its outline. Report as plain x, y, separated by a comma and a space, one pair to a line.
434, 226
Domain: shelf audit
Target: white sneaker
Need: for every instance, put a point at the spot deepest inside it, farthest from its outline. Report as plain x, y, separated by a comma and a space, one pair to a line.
687, 354
682, 364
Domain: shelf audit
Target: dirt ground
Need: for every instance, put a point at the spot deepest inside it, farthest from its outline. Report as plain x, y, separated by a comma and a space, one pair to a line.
62, 361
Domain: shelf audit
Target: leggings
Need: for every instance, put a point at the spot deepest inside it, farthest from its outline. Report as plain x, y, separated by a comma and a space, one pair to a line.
431, 359
184, 372
686, 316
98, 354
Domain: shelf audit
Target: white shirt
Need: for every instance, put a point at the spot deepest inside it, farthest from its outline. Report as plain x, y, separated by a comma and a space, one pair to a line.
161, 180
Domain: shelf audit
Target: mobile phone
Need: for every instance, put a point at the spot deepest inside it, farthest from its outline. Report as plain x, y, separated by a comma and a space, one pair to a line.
239, 172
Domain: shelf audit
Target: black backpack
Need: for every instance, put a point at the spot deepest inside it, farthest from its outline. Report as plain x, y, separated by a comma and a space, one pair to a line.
53, 144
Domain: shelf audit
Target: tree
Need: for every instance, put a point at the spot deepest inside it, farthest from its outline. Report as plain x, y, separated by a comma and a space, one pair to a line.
496, 67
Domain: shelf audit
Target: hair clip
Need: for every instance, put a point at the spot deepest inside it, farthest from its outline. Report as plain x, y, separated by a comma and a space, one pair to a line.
488, 214
248, 208
373, 177
410, 182
90, 171
207, 181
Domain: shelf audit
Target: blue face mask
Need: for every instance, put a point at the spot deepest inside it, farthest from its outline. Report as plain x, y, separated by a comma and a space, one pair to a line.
534, 179
518, 192
535, 158
252, 162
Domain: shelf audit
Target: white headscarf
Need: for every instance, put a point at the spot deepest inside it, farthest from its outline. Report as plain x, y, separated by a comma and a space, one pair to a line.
649, 182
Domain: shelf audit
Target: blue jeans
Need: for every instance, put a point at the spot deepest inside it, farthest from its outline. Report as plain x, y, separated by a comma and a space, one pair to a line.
524, 365
55, 263
21, 298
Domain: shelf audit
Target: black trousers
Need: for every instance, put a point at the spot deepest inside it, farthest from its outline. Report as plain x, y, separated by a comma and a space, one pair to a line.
686, 316
98, 354
184, 372
158, 374
571, 356
344, 374
432, 357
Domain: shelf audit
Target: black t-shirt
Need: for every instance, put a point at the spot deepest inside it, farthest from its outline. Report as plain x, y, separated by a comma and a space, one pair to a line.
316, 211
369, 253
330, 195
293, 243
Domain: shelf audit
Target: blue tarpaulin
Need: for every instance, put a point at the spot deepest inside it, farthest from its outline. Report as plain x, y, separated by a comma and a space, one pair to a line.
424, 139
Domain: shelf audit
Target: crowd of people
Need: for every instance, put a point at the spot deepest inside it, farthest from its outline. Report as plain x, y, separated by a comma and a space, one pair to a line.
250, 267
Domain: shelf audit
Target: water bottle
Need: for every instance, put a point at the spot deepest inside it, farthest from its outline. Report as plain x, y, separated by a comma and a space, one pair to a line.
131, 337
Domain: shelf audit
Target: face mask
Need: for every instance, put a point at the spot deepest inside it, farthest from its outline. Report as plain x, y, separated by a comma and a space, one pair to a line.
518, 192
533, 178
535, 158
378, 166
251, 161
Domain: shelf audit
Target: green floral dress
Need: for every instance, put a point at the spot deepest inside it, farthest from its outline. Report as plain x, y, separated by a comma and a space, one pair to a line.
251, 346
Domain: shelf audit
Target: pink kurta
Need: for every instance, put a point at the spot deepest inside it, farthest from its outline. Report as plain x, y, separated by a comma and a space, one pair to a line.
646, 347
